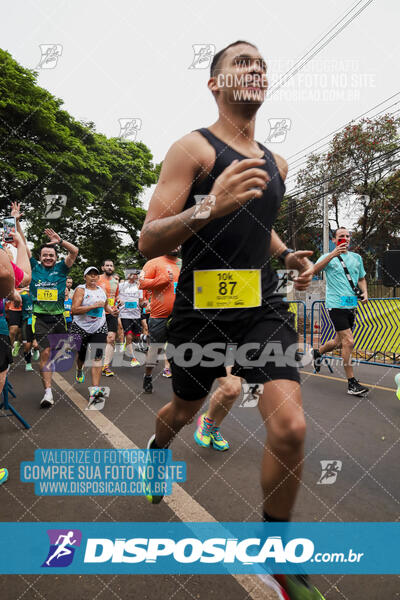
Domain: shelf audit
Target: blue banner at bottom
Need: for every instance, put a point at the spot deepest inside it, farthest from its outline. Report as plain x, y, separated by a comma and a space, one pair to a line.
199, 548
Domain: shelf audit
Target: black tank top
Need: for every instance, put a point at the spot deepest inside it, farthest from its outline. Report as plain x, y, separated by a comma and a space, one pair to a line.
239, 240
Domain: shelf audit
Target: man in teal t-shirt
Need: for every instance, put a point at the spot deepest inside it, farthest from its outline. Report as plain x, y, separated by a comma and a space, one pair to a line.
47, 290
341, 302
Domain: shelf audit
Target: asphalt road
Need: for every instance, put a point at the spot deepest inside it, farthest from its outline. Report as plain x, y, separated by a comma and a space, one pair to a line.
362, 433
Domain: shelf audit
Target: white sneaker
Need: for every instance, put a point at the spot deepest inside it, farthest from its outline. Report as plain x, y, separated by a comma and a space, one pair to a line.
47, 399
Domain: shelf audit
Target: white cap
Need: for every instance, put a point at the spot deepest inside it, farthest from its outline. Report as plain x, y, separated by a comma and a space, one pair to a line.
90, 269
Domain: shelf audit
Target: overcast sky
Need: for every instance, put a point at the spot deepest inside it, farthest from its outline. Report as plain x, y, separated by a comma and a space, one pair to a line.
130, 59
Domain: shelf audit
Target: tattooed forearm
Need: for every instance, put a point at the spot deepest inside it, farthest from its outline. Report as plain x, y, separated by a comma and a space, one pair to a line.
162, 235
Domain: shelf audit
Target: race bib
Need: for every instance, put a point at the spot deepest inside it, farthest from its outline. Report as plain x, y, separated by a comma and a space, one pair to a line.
96, 312
131, 304
47, 294
29, 320
348, 301
227, 288
111, 301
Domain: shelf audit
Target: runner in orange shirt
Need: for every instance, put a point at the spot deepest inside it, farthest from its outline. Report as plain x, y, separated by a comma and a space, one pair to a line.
160, 277
110, 285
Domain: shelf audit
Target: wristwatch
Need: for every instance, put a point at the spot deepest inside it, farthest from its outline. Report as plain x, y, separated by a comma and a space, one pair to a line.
285, 253
60, 242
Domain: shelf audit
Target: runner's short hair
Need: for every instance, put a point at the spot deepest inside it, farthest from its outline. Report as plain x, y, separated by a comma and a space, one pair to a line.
218, 57
107, 260
47, 246
336, 230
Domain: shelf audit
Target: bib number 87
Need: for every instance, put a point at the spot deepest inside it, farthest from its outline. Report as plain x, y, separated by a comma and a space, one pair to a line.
223, 287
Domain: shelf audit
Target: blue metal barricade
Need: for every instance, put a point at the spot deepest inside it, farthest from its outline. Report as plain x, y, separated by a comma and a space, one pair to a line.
376, 331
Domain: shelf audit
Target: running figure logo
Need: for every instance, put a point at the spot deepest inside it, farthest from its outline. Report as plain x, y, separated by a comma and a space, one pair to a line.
278, 129
128, 128
54, 206
204, 205
286, 280
251, 394
62, 351
203, 55
63, 543
330, 470
50, 55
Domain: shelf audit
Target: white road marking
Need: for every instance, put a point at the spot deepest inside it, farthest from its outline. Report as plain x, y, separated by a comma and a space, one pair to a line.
180, 502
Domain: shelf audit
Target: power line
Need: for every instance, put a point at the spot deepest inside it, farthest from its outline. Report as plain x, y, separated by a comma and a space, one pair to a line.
306, 157
290, 73
354, 119
393, 151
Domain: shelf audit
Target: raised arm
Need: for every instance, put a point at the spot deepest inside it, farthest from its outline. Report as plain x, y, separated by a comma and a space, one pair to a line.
22, 260
321, 264
7, 281
70, 248
16, 212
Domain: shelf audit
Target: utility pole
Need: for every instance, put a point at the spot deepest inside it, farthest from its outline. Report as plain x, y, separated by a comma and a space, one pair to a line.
326, 219
292, 222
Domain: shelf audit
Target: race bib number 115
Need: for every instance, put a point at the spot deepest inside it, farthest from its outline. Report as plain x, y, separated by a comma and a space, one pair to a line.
47, 295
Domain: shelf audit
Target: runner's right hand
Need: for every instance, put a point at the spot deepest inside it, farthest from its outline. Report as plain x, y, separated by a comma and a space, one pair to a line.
16, 210
339, 250
233, 187
99, 304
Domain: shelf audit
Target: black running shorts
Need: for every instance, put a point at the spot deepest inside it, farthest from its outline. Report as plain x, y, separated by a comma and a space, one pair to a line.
112, 323
342, 318
43, 325
158, 330
133, 326
14, 317
263, 345
5, 352
27, 333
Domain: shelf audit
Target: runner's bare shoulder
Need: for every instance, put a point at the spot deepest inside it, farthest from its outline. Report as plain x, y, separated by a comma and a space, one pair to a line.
195, 150
282, 165
185, 162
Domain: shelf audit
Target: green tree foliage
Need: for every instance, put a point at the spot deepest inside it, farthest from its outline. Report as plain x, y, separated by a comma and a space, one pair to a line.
360, 174
44, 150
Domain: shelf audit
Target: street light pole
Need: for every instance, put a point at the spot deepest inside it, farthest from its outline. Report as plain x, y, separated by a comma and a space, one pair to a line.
326, 219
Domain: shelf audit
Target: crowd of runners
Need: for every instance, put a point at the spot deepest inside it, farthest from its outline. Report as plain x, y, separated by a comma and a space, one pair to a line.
216, 202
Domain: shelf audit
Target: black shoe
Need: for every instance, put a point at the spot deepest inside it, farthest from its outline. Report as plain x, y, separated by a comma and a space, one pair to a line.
317, 359
147, 384
355, 388
152, 498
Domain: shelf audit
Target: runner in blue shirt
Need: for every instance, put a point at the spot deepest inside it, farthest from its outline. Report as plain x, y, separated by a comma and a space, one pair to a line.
341, 302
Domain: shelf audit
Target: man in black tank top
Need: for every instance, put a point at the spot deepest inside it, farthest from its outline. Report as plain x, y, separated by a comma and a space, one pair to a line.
218, 196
